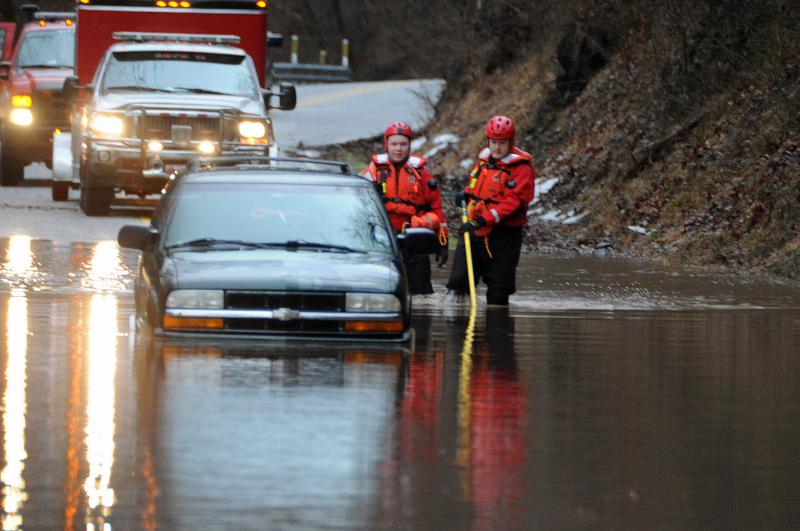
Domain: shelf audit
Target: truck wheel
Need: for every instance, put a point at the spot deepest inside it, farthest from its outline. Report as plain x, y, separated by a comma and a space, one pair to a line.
96, 201
60, 191
12, 170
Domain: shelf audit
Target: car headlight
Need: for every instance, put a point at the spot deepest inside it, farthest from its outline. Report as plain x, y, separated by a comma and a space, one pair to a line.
196, 298
106, 125
22, 117
372, 302
252, 129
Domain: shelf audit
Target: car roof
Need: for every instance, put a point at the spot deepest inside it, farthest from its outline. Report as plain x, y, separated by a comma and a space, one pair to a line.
274, 176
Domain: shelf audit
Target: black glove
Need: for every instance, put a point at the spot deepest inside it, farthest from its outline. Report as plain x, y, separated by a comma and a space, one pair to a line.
441, 256
461, 199
471, 225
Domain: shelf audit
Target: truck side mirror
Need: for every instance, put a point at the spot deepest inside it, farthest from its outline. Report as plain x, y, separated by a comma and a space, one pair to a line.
73, 91
288, 97
5, 69
274, 40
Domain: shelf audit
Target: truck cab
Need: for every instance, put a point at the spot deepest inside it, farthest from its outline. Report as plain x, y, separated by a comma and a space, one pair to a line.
32, 104
156, 102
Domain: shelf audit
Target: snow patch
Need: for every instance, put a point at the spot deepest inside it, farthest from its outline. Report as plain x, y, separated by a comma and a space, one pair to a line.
466, 164
637, 229
309, 153
441, 142
544, 187
418, 143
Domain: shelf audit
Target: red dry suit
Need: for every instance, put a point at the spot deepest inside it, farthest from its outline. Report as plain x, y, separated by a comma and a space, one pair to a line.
499, 191
408, 190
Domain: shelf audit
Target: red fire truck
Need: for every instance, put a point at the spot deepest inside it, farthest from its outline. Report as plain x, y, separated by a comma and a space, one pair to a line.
159, 82
31, 90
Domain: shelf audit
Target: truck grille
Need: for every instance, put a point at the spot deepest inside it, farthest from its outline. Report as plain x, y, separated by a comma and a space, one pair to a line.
50, 108
160, 127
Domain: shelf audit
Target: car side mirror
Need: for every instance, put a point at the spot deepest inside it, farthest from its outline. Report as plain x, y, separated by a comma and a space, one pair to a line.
5, 69
137, 237
418, 241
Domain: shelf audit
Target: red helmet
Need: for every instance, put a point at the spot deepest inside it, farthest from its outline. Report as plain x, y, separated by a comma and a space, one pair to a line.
396, 128
501, 128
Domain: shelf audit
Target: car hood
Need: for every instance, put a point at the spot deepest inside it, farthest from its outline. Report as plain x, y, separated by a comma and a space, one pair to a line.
183, 101
281, 270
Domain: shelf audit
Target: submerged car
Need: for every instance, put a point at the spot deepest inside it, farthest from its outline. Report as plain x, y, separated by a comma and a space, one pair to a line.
273, 247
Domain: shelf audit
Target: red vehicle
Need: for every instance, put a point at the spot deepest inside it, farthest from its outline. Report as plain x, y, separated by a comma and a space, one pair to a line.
100, 19
32, 105
6, 40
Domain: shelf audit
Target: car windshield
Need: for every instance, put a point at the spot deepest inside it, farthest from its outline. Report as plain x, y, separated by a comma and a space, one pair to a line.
47, 49
180, 72
301, 218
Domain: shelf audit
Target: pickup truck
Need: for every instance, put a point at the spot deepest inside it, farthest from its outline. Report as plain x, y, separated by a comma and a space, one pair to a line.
32, 103
158, 101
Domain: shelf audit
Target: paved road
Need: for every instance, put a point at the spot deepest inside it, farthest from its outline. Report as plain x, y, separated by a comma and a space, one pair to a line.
330, 114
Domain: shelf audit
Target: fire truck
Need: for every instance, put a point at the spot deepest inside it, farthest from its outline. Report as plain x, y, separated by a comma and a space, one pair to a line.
158, 83
32, 105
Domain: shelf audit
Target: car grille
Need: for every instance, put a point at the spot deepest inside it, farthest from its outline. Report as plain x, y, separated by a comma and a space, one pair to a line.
301, 301
298, 301
160, 127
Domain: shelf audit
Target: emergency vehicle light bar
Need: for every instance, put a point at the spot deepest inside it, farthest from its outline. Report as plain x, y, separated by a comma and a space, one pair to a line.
135, 36
54, 15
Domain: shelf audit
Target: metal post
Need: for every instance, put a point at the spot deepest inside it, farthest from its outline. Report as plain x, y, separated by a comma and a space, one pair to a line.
346, 53
323, 57
295, 49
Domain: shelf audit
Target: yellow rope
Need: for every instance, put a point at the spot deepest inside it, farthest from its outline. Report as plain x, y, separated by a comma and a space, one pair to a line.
468, 251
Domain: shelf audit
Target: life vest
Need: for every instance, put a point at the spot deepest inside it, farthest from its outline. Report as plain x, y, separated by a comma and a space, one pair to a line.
488, 181
402, 190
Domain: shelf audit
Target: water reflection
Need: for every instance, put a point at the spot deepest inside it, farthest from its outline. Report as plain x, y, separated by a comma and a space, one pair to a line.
100, 407
15, 407
19, 268
106, 271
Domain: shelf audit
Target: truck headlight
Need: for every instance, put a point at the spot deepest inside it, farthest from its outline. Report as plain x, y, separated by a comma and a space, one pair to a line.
252, 129
372, 302
196, 298
106, 125
22, 117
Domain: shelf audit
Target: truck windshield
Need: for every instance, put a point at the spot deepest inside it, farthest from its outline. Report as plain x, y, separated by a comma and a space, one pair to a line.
47, 49
205, 73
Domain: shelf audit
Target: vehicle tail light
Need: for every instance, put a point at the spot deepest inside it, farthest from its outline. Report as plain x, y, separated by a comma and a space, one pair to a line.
374, 326
192, 323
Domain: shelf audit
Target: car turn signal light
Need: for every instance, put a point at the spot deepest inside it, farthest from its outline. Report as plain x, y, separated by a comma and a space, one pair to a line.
374, 326
192, 323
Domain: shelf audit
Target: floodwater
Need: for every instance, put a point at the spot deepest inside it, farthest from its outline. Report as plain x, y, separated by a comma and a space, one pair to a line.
611, 395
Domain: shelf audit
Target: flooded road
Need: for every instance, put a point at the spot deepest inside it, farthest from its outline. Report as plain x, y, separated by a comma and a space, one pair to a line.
611, 395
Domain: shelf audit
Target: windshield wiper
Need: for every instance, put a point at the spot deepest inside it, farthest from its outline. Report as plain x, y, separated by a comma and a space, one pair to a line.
205, 243
136, 88
198, 91
45, 66
315, 246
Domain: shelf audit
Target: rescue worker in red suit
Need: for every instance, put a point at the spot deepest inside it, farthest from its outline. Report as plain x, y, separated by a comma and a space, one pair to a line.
412, 199
497, 194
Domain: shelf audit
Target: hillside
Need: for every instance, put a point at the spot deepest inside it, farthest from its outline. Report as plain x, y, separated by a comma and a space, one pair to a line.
668, 132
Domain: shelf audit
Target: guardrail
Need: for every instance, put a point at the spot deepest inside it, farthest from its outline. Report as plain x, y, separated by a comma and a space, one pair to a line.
306, 72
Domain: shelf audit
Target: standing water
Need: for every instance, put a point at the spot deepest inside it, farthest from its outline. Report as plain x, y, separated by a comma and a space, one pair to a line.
611, 394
